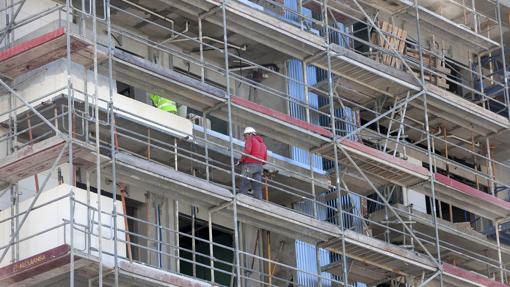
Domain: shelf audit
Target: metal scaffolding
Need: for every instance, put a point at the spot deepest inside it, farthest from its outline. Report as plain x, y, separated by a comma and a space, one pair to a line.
419, 120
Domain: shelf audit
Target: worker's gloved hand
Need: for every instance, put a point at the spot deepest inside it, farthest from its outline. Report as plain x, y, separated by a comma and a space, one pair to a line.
237, 163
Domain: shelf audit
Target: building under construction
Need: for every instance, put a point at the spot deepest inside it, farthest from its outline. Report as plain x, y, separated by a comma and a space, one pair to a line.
387, 125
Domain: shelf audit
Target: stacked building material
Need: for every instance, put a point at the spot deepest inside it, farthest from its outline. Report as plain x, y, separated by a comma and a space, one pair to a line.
396, 40
432, 63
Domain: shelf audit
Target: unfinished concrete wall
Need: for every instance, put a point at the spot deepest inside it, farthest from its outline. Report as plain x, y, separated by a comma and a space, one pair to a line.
39, 85
266, 253
48, 221
282, 251
265, 95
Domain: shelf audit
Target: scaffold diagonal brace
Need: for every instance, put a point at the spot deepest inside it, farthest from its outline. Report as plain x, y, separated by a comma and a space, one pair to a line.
385, 201
26, 103
432, 277
11, 22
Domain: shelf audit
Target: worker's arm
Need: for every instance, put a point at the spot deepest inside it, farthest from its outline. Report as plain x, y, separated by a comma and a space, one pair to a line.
155, 99
247, 148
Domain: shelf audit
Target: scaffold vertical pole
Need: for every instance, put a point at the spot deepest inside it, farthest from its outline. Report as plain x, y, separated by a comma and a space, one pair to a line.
490, 167
200, 39
89, 213
14, 221
500, 258
206, 147
312, 178
177, 235
97, 148
11, 148
231, 142
70, 141
318, 264
211, 246
306, 91
345, 275
429, 143
16, 206
503, 57
113, 143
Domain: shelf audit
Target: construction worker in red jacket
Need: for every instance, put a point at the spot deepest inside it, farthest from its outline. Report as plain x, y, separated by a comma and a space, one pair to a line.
252, 161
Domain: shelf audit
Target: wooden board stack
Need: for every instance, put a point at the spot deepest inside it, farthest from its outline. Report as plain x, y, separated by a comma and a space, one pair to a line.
431, 62
396, 39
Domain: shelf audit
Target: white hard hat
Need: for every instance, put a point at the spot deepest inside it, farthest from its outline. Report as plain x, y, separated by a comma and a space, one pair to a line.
249, 130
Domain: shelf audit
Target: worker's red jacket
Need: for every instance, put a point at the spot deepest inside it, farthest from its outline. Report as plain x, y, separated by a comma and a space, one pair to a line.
255, 147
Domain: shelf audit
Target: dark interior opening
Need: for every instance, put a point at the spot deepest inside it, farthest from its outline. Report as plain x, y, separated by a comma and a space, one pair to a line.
224, 257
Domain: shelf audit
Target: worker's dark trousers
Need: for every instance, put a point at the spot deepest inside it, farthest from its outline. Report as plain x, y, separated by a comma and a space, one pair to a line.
252, 174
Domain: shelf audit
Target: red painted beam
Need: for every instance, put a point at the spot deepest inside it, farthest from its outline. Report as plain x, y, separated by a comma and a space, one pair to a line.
30, 44
471, 191
385, 157
34, 265
471, 276
281, 116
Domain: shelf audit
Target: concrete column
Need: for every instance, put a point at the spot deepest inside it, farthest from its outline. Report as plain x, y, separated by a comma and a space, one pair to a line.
171, 235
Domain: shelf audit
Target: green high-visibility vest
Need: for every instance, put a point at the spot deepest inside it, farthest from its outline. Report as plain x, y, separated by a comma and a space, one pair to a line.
163, 104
